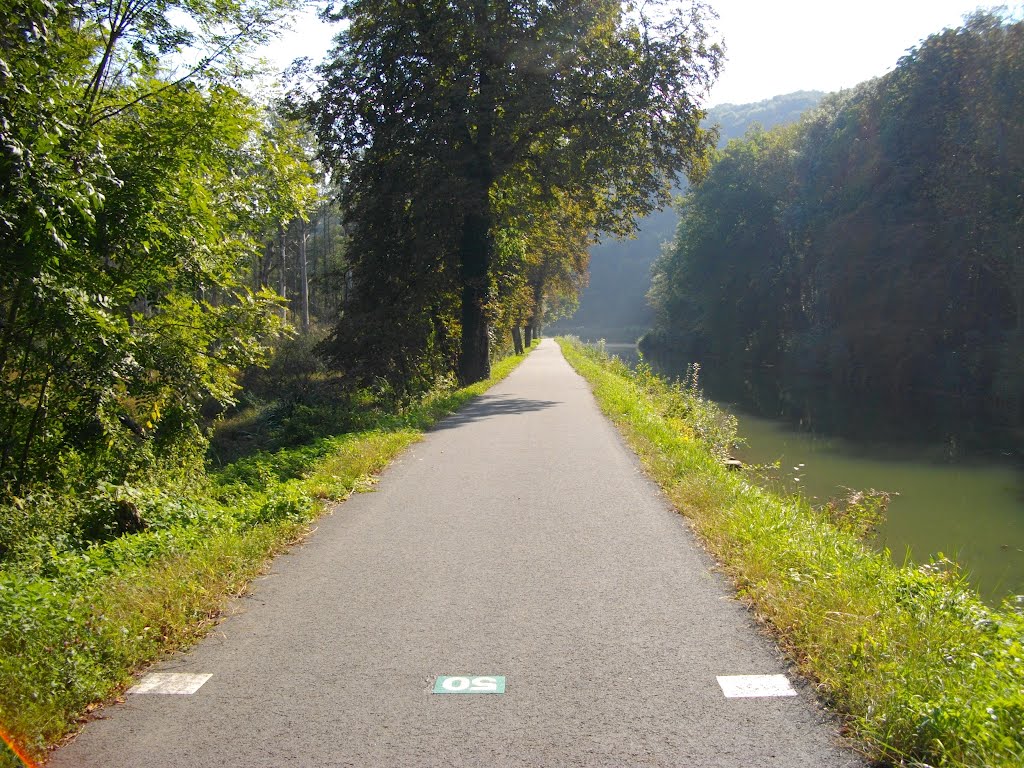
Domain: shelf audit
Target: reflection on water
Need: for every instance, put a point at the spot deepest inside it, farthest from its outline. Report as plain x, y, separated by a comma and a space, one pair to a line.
970, 510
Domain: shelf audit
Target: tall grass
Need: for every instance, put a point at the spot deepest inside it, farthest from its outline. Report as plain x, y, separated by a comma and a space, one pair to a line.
923, 671
77, 622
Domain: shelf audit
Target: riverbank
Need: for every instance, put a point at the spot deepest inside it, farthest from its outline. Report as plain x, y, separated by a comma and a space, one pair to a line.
75, 625
923, 671
969, 505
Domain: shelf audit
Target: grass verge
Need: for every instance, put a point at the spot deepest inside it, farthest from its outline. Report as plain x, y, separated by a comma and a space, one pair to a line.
76, 625
924, 672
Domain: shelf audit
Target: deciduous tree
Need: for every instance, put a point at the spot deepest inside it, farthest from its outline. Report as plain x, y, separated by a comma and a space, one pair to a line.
598, 101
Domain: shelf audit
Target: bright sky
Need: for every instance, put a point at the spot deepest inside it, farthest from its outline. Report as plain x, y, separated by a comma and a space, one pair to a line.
781, 46
773, 46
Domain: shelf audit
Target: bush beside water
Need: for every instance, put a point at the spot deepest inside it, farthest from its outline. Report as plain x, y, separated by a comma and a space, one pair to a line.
923, 671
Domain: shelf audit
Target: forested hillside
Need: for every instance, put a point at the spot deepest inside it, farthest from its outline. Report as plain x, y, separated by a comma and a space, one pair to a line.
614, 303
865, 267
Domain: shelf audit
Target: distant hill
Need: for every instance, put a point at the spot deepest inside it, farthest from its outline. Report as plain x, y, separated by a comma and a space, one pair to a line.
614, 304
734, 120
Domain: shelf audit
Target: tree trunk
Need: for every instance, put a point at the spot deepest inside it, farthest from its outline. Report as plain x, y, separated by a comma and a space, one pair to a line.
517, 339
477, 246
538, 307
474, 355
266, 260
31, 435
1018, 287
315, 245
284, 263
533, 323
303, 277
8, 327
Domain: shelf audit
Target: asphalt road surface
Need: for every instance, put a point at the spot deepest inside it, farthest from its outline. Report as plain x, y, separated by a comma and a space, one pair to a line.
519, 543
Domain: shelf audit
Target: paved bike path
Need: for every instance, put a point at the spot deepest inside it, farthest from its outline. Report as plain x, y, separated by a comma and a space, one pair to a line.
519, 539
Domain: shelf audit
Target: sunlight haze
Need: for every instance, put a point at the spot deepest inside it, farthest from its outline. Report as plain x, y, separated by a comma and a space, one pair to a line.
773, 48
793, 45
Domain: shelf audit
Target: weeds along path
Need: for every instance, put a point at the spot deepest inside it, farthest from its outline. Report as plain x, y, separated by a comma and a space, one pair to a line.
518, 548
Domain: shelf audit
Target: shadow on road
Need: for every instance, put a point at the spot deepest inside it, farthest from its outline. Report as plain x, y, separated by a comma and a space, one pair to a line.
486, 407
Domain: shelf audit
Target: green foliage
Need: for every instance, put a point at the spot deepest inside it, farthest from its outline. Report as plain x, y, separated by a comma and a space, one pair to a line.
923, 671
681, 404
870, 259
398, 330
860, 512
70, 637
129, 212
735, 212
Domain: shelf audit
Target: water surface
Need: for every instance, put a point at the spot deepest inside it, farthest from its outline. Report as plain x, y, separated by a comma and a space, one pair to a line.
972, 511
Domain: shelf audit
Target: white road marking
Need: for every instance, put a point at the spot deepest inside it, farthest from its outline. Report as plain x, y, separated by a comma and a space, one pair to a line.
463, 684
749, 686
170, 682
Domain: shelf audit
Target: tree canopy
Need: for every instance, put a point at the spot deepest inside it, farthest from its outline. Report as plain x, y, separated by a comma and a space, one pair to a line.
874, 254
435, 115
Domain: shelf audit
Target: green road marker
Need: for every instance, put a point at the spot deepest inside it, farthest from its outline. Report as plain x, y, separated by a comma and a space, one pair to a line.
466, 684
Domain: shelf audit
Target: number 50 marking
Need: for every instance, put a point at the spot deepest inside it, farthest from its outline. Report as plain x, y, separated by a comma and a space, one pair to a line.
463, 684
